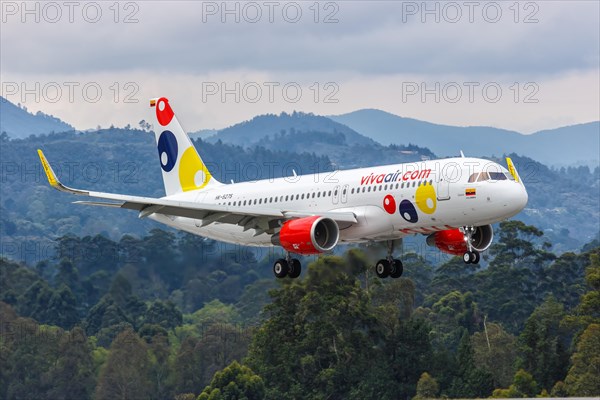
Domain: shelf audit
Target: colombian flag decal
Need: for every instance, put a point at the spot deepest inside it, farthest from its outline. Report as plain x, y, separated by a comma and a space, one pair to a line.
470, 192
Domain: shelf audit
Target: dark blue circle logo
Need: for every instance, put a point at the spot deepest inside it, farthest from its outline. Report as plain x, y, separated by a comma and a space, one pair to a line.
167, 150
408, 211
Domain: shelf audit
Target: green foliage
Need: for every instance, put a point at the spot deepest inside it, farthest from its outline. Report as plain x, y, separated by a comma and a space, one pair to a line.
235, 382
337, 332
543, 344
495, 350
126, 372
523, 386
427, 387
583, 379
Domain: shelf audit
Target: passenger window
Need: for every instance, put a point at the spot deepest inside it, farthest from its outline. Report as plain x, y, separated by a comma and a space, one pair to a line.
335, 193
369, 189
313, 195
330, 192
302, 197
352, 191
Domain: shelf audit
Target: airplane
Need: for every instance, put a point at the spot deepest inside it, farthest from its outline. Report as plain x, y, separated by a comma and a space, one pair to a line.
453, 201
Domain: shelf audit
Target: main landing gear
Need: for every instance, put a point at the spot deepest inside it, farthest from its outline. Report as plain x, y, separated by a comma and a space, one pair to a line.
389, 266
471, 256
287, 266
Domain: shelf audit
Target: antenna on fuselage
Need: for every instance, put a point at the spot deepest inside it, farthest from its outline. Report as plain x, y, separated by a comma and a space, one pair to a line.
462, 154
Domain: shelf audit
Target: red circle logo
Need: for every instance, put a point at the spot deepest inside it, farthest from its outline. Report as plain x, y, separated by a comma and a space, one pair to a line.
389, 204
164, 112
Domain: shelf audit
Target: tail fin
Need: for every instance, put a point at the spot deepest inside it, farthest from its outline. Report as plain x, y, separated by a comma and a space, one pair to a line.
182, 167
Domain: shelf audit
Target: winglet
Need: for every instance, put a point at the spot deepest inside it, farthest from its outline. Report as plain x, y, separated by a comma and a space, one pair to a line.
53, 180
512, 169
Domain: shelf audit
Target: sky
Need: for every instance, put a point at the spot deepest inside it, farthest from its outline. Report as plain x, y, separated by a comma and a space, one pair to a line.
524, 66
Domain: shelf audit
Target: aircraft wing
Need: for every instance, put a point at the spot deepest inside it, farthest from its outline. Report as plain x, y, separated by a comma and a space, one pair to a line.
260, 219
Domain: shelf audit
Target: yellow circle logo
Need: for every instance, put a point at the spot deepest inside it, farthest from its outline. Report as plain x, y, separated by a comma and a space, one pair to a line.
425, 199
193, 174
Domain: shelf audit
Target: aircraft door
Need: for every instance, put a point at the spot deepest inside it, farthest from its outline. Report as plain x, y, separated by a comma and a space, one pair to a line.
450, 173
443, 189
345, 193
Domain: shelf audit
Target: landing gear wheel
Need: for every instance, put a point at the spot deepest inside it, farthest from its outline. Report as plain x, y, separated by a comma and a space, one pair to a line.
396, 269
467, 257
281, 268
476, 257
471, 257
382, 268
294, 268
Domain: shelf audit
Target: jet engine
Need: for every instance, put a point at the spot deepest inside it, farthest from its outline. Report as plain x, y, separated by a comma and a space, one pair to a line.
454, 241
308, 235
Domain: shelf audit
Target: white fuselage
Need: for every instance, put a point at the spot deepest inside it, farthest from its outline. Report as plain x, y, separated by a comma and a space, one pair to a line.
389, 201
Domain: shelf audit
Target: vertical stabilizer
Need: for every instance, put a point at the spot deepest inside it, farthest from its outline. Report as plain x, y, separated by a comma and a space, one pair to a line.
182, 168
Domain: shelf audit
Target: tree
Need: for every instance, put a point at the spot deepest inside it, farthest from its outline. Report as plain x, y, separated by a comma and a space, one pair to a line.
427, 387
72, 375
583, 379
495, 350
542, 344
523, 386
62, 308
588, 309
321, 338
235, 382
164, 314
126, 372
469, 380
188, 367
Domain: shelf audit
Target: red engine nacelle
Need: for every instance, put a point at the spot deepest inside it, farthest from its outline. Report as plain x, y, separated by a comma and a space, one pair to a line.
309, 235
454, 241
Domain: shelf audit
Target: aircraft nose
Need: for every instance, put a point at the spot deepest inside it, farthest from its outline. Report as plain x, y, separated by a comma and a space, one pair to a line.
521, 196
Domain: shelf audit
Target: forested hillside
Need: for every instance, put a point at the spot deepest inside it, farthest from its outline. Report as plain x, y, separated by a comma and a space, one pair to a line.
562, 202
158, 317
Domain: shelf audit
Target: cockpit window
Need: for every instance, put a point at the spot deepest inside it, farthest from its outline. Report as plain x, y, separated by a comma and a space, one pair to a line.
497, 176
473, 177
484, 176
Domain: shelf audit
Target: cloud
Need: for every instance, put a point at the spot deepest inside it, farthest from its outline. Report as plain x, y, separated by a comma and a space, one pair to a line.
368, 49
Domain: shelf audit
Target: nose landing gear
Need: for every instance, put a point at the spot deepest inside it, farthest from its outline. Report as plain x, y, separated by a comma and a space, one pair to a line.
472, 255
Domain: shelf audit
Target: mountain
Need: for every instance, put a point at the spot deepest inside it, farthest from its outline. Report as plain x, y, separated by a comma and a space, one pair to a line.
577, 144
271, 126
17, 122
299, 132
